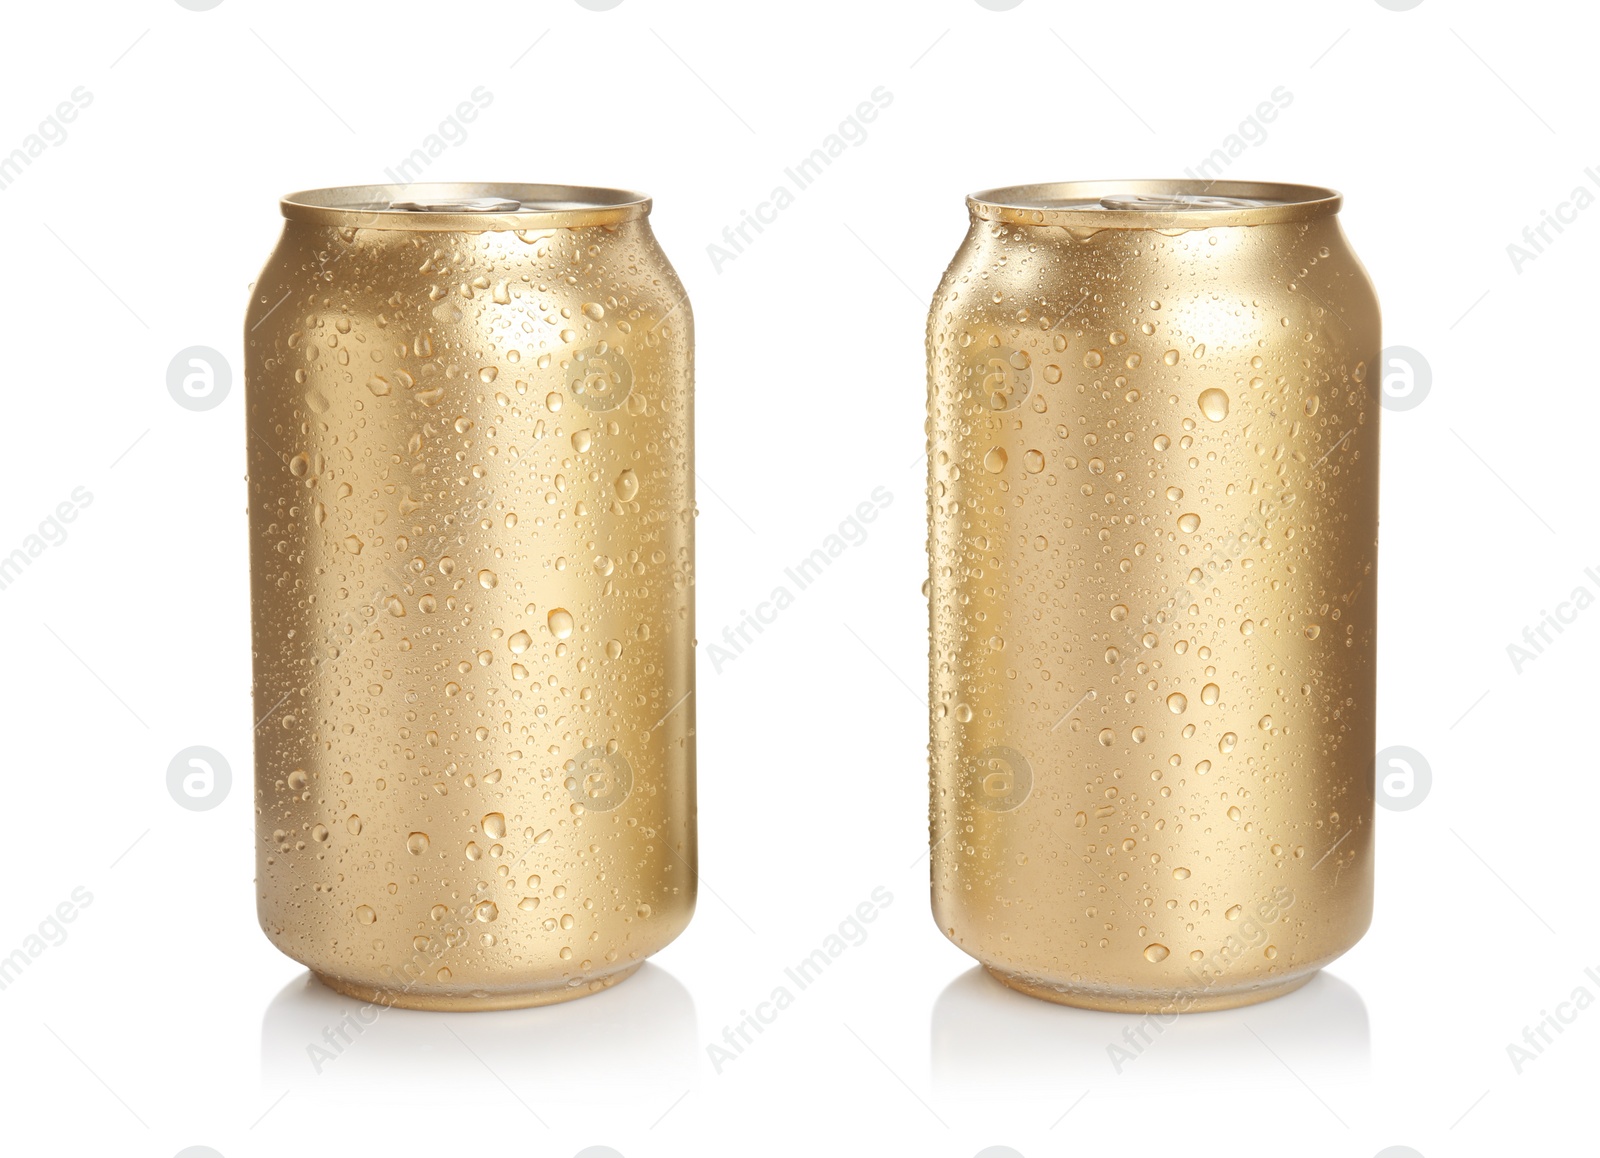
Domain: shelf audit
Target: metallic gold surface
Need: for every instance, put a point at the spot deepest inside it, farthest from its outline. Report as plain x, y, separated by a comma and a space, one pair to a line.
1153, 514
471, 532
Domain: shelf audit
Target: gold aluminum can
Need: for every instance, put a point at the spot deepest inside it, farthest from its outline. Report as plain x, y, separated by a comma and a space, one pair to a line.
471, 537
1153, 521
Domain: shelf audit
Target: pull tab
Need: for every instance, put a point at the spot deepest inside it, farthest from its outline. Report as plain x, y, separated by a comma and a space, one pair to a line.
460, 205
1176, 202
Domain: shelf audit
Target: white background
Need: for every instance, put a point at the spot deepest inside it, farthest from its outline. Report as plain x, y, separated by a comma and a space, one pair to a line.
165, 1020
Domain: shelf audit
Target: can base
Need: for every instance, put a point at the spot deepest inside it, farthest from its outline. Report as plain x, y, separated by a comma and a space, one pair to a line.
1110, 1001
468, 1003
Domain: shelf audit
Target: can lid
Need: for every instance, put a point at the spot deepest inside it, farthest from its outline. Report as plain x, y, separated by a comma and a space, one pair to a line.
469, 207
1153, 204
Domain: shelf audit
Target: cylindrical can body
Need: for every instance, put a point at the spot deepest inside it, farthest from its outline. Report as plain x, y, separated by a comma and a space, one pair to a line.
1153, 516
471, 534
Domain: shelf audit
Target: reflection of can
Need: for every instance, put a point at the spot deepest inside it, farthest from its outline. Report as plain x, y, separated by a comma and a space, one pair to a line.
471, 536
1153, 506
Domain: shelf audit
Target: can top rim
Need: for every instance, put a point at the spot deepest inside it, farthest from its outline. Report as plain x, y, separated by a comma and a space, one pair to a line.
1154, 204
465, 206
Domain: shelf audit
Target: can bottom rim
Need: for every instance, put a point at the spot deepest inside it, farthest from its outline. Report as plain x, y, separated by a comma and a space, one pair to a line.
1167, 1001
461, 1002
